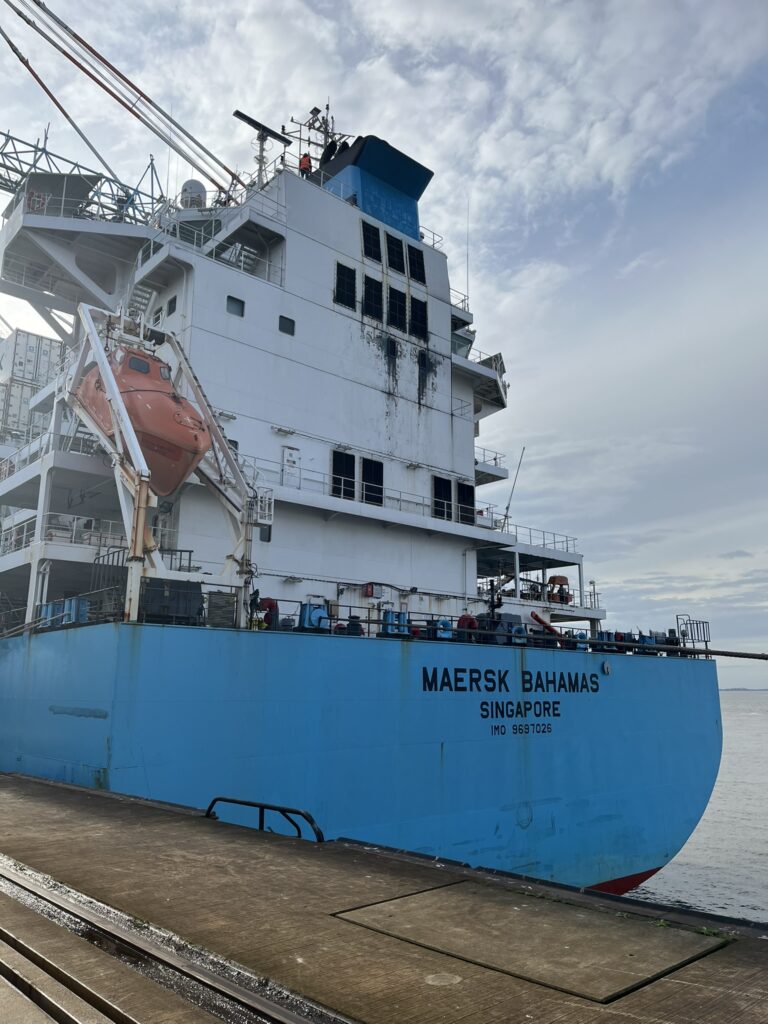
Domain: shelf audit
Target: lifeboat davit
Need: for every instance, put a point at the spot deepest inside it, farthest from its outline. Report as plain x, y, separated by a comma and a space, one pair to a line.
170, 431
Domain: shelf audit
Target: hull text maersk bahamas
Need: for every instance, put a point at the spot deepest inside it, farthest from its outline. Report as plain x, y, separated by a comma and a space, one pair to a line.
590, 769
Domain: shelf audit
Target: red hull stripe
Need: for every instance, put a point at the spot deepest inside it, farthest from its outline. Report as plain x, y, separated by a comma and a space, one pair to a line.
618, 886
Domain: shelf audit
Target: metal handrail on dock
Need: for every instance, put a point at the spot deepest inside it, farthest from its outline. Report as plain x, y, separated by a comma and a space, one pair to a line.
285, 812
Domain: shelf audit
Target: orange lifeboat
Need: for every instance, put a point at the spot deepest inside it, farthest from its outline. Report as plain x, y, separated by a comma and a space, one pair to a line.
170, 431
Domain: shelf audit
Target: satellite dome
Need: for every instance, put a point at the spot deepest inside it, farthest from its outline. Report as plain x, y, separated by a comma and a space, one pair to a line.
193, 195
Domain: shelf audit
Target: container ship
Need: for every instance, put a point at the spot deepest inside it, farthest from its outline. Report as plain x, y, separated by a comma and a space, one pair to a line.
243, 549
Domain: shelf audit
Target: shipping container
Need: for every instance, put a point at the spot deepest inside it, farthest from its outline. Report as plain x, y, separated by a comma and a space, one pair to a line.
31, 358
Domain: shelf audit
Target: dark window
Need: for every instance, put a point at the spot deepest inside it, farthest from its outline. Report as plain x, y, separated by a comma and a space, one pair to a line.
373, 481
396, 312
286, 325
395, 257
423, 363
371, 242
373, 298
134, 363
343, 478
418, 324
171, 305
442, 498
416, 264
465, 499
346, 286
235, 306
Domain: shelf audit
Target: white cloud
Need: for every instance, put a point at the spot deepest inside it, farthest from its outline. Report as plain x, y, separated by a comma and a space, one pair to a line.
648, 260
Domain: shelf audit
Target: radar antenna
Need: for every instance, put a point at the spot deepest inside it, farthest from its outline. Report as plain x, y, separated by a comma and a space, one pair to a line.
263, 135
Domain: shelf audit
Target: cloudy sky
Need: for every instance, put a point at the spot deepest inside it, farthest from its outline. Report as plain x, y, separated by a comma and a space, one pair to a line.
611, 158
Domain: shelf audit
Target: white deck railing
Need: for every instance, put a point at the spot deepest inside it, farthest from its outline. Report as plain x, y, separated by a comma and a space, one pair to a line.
267, 471
489, 457
83, 531
481, 514
34, 450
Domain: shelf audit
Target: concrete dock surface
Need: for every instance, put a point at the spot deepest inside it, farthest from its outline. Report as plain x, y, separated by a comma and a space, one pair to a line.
367, 934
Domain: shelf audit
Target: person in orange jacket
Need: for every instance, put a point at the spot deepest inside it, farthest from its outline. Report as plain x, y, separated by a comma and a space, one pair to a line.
305, 165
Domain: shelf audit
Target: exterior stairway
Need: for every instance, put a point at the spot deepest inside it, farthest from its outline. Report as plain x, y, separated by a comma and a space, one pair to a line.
139, 300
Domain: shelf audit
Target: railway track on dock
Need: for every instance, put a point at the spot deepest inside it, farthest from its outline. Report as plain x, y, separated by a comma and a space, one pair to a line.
39, 987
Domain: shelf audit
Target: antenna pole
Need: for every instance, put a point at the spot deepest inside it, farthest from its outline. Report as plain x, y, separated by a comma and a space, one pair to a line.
514, 482
467, 286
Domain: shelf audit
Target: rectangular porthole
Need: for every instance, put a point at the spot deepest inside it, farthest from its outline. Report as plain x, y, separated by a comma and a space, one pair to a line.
235, 306
345, 293
287, 325
171, 309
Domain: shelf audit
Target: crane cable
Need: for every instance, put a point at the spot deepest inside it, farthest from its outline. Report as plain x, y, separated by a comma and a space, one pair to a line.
120, 88
56, 102
85, 64
169, 120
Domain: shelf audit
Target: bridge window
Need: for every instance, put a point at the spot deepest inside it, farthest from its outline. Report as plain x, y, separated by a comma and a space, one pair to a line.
235, 306
346, 286
418, 325
373, 299
395, 257
371, 242
416, 264
397, 309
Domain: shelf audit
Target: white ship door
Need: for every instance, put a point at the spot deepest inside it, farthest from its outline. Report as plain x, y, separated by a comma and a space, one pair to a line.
291, 469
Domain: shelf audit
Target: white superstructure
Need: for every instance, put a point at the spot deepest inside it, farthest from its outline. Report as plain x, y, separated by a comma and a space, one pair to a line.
337, 361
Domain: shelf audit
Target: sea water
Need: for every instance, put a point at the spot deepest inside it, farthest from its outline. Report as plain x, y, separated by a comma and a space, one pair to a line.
723, 868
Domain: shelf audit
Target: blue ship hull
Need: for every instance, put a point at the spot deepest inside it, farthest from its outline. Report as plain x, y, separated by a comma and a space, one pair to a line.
583, 768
